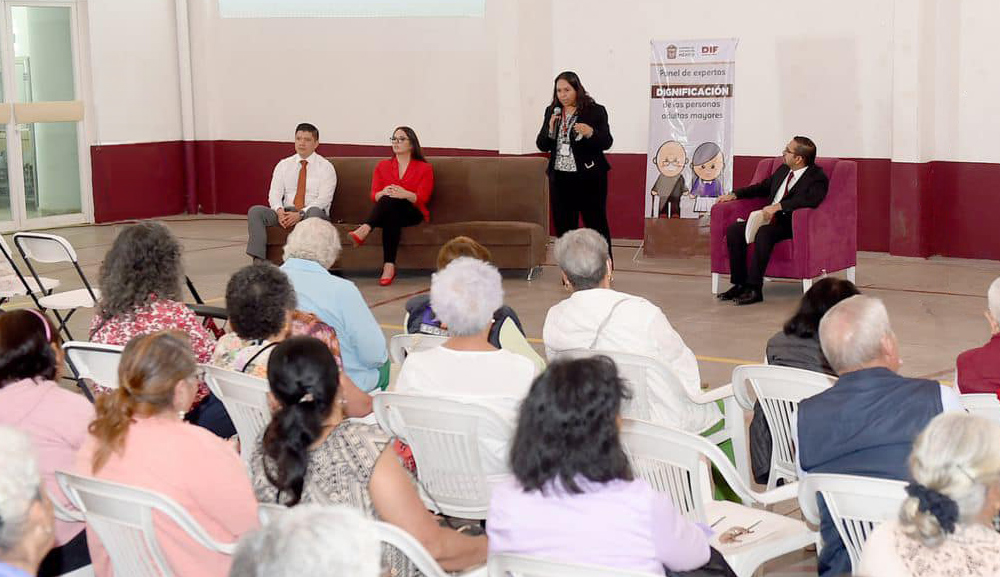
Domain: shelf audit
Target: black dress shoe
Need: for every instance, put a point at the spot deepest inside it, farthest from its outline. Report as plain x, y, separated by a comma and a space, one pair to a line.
750, 296
732, 293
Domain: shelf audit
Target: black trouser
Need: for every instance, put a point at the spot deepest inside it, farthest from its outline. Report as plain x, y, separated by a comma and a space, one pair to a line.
391, 215
69, 556
576, 194
767, 236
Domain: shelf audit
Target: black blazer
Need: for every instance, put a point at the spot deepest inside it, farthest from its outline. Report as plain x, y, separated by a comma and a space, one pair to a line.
807, 192
588, 152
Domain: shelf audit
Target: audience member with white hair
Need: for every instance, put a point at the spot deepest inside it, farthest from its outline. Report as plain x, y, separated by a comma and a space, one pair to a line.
597, 317
312, 248
978, 370
26, 521
467, 367
310, 540
866, 423
945, 526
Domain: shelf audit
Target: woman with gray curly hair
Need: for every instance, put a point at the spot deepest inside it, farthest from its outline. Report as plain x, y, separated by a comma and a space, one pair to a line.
946, 527
312, 248
467, 367
26, 520
140, 282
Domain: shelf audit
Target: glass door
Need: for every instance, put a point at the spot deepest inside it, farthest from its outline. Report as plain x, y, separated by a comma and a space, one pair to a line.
44, 173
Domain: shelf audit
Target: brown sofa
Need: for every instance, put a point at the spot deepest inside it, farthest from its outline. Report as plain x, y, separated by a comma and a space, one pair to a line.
502, 202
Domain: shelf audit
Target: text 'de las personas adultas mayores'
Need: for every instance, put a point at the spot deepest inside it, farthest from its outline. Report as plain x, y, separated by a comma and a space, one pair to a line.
692, 91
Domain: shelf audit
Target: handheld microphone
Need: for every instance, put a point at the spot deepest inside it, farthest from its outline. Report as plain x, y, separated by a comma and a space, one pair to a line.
556, 111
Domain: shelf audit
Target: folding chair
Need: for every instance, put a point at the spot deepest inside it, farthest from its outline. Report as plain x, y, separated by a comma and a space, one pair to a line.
506, 565
122, 517
94, 362
779, 390
445, 437
676, 463
208, 314
642, 373
245, 399
14, 284
856, 504
49, 248
982, 405
403, 344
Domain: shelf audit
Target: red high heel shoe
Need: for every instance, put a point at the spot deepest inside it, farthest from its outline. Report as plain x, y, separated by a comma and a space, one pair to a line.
387, 281
357, 240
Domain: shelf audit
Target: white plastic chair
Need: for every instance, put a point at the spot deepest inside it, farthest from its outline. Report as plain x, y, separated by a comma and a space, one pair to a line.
856, 504
49, 248
403, 344
95, 362
14, 284
513, 340
982, 405
506, 565
416, 553
779, 391
70, 516
245, 399
444, 435
642, 373
676, 463
122, 517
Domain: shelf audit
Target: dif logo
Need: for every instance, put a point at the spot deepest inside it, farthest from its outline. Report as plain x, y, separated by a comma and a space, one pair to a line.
709, 50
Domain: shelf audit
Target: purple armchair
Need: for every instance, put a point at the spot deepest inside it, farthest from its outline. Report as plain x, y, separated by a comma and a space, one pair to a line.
825, 238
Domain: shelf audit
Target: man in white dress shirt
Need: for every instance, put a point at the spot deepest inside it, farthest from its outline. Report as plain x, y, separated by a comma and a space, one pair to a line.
301, 187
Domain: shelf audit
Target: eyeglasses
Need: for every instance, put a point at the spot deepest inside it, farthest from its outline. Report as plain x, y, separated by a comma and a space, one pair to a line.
396, 140
199, 375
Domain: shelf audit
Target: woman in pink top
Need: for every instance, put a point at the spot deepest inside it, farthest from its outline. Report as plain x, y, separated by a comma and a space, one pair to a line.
139, 439
56, 419
574, 497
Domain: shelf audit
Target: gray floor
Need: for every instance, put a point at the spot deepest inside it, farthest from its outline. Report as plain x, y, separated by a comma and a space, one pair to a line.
936, 305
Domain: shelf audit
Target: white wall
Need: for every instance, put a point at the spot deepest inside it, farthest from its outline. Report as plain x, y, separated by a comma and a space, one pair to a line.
911, 80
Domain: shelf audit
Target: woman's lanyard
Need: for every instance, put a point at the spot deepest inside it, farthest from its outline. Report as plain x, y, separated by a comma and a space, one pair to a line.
566, 125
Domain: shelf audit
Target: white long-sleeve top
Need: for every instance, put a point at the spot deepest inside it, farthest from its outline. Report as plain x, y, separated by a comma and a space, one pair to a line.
637, 326
321, 182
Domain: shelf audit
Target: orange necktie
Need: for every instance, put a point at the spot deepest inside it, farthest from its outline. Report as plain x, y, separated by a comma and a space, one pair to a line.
300, 188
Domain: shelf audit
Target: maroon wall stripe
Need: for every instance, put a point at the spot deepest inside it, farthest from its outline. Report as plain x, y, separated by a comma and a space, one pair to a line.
907, 209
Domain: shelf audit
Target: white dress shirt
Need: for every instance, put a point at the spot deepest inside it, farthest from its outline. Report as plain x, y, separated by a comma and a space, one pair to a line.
786, 185
638, 327
321, 181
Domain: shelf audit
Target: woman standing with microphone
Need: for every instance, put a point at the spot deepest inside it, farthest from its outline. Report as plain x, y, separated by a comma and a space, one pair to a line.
575, 133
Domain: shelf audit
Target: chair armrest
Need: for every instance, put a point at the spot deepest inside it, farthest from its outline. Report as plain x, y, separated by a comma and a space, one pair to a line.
208, 311
779, 494
716, 394
725, 213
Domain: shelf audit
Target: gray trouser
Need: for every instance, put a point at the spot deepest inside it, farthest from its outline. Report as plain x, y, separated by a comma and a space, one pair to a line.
261, 217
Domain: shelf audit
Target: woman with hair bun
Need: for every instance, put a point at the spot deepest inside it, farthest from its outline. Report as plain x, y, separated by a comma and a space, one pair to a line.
56, 419
946, 527
310, 454
140, 439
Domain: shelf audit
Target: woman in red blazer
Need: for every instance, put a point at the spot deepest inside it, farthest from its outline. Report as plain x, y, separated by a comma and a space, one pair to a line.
401, 188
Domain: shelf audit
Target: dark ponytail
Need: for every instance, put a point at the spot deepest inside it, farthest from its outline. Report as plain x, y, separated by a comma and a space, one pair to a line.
303, 377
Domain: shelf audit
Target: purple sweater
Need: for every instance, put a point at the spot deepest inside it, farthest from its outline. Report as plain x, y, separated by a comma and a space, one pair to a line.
621, 524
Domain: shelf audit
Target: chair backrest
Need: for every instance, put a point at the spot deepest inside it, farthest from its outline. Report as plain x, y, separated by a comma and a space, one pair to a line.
245, 399
779, 391
857, 505
676, 462
638, 371
94, 361
404, 344
444, 435
122, 517
513, 340
982, 405
505, 565
44, 247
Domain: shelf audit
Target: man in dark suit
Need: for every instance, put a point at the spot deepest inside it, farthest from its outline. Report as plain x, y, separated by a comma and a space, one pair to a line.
798, 183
